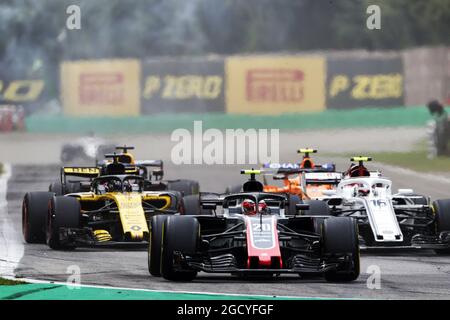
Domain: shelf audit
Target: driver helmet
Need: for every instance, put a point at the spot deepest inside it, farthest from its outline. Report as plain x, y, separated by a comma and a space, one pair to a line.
262, 207
357, 171
248, 207
127, 186
113, 186
363, 191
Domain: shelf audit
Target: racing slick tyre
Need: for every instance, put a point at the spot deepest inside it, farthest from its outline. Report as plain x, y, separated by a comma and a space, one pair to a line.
318, 208
442, 216
34, 212
63, 212
233, 189
192, 206
340, 237
181, 234
56, 188
154, 247
186, 187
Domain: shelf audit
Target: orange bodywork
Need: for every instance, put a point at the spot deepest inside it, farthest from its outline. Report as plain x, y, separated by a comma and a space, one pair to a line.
293, 186
290, 185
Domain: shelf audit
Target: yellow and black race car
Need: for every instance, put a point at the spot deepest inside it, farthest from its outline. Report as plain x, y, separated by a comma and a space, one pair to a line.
115, 210
151, 170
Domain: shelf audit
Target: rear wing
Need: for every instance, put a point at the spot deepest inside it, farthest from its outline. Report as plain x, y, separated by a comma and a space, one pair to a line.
80, 172
294, 168
322, 178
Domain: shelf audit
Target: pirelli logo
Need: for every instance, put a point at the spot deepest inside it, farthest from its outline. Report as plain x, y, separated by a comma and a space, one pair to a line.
101, 88
275, 85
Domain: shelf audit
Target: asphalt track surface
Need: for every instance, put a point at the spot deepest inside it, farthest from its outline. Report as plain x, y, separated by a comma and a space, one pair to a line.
404, 275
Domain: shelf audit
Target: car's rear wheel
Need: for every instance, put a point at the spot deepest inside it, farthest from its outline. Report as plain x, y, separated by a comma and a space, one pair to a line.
340, 238
180, 234
56, 188
186, 187
63, 212
34, 212
155, 245
442, 220
192, 206
317, 208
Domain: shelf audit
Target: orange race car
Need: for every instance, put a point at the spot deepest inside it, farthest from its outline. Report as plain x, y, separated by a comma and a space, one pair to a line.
310, 180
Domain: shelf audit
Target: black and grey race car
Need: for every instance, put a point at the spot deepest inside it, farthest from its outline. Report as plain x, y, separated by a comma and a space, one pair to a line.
253, 233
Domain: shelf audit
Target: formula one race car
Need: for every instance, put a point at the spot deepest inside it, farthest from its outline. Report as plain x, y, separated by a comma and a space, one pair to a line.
300, 185
88, 148
254, 233
151, 170
403, 219
309, 181
115, 210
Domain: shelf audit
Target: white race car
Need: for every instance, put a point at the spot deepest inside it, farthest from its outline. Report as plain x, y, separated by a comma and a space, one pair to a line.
88, 148
387, 219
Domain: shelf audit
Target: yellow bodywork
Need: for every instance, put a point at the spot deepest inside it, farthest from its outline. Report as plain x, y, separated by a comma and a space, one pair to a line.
131, 211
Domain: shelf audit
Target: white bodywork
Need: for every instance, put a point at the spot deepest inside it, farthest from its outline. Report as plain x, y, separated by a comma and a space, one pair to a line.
375, 195
90, 145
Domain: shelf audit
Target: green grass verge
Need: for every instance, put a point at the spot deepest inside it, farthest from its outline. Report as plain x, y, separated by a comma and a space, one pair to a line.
416, 159
1, 168
7, 282
329, 119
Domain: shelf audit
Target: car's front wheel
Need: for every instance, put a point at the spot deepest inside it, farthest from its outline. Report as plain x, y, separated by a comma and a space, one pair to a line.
63, 212
34, 212
442, 220
155, 245
340, 239
180, 235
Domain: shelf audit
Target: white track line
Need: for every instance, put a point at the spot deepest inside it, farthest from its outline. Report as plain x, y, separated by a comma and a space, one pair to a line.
11, 244
69, 286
